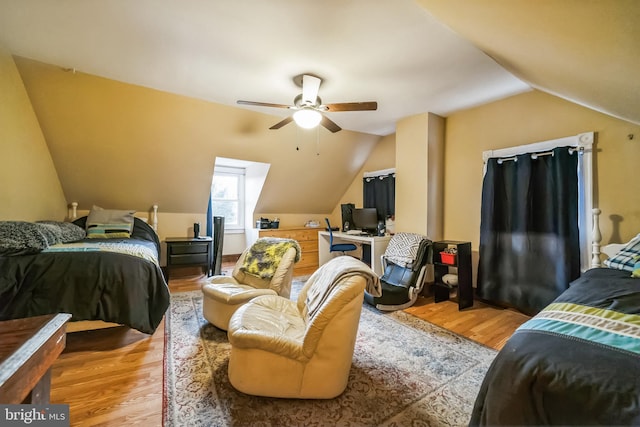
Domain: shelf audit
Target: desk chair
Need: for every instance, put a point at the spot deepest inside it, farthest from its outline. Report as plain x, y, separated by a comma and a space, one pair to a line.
404, 263
338, 247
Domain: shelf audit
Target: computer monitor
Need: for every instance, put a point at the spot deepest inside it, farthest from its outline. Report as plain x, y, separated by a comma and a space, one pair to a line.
365, 219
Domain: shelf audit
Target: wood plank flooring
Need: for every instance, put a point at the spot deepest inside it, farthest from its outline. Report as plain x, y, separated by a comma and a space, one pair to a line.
114, 376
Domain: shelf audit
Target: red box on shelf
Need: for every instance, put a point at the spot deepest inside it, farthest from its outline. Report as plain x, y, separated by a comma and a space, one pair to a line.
448, 258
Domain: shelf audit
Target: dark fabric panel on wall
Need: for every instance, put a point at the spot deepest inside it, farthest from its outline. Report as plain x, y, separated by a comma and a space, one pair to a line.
380, 193
529, 239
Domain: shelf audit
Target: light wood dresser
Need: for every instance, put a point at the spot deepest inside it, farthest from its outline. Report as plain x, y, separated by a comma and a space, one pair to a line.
307, 238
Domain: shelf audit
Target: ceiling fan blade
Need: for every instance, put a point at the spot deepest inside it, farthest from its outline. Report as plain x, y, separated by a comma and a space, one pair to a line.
282, 123
330, 125
263, 104
351, 106
310, 88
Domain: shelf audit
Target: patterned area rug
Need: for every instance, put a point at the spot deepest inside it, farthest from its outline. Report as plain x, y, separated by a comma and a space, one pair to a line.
405, 372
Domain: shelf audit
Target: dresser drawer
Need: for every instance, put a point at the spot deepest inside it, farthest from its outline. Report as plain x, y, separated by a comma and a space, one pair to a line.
189, 248
189, 259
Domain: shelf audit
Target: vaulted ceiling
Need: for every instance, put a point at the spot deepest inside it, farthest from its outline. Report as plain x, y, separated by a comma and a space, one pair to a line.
412, 57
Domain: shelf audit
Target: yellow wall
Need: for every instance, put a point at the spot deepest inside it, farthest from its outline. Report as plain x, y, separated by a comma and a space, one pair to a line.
123, 146
411, 174
419, 155
382, 157
30, 188
533, 117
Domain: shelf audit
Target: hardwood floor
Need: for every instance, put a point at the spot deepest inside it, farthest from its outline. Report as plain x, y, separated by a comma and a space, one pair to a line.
114, 376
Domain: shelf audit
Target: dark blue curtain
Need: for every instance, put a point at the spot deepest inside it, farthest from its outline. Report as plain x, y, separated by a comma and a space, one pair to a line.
380, 193
529, 239
215, 230
210, 217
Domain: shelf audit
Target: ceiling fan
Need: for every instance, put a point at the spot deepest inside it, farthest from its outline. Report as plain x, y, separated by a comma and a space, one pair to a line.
309, 106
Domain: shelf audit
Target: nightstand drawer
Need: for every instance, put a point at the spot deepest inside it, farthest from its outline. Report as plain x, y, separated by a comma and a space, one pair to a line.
189, 248
183, 251
189, 259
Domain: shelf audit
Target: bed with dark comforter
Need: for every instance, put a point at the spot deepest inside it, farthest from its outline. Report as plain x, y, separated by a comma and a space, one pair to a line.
575, 363
113, 280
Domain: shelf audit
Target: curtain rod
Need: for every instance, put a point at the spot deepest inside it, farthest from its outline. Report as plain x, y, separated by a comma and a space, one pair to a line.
382, 172
583, 140
534, 156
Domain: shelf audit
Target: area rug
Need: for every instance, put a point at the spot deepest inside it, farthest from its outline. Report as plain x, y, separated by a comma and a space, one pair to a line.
405, 372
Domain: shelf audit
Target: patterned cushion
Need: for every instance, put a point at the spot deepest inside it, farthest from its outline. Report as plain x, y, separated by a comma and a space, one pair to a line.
626, 258
403, 248
636, 268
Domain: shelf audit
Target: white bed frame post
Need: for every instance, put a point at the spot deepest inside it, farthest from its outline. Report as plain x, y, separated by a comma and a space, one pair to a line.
74, 211
154, 218
595, 239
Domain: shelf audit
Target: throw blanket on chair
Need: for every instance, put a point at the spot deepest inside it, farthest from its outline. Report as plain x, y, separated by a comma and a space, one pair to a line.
322, 282
403, 248
265, 254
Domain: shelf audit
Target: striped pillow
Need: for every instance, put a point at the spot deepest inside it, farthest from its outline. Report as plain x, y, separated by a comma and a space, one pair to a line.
626, 258
109, 231
109, 223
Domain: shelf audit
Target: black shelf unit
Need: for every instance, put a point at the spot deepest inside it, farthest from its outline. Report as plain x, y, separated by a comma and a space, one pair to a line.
462, 262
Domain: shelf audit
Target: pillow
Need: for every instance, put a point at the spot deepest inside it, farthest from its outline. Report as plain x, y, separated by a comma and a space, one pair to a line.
109, 223
625, 259
20, 238
64, 231
636, 268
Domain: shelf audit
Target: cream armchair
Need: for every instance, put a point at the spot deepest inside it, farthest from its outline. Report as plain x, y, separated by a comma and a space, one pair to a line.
303, 348
265, 268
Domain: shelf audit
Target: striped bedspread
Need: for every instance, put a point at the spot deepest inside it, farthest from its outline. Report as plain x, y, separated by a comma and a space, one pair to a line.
602, 326
137, 249
577, 362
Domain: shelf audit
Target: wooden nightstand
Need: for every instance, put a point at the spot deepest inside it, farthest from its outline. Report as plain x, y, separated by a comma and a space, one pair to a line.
184, 251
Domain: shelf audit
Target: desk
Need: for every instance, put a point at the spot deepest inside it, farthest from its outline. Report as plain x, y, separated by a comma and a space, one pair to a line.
28, 348
378, 245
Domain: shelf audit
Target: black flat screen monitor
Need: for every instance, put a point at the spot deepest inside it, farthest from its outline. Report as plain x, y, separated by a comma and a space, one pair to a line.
365, 219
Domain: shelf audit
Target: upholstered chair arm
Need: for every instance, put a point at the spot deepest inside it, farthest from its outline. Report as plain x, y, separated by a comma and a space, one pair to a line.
236, 273
343, 293
270, 323
281, 280
221, 279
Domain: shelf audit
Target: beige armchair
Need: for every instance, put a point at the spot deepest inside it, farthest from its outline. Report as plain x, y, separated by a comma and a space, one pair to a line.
265, 268
303, 348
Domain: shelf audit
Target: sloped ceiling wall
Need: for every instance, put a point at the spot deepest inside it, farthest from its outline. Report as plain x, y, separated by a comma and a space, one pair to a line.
583, 51
127, 147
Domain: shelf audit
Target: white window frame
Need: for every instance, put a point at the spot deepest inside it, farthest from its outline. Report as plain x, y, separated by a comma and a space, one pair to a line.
239, 173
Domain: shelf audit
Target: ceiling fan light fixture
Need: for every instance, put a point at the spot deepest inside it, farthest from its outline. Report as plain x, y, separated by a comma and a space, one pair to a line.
307, 118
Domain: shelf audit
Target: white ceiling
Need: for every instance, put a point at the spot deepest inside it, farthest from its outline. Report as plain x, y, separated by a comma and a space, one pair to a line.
390, 51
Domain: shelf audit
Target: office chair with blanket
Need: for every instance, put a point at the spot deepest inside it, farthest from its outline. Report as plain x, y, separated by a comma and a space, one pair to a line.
404, 264
338, 247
